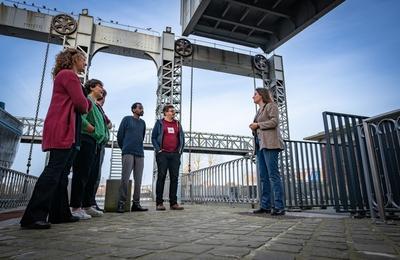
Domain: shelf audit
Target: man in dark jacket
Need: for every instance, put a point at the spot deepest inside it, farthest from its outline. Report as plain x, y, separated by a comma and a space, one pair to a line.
168, 141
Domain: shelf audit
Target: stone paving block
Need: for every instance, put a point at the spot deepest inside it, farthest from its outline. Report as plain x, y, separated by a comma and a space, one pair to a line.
156, 245
251, 238
329, 253
264, 254
10, 251
172, 239
284, 247
224, 236
208, 256
209, 241
96, 251
266, 233
299, 233
380, 247
294, 236
129, 252
6, 237
332, 234
375, 256
229, 251
168, 256
289, 241
238, 232
40, 254
243, 243
324, 244
192, 248
374, 237
331, 239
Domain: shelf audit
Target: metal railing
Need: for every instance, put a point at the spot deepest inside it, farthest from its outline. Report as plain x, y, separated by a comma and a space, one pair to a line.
344, 162
232, 181
305, 180
15, 188
380, 146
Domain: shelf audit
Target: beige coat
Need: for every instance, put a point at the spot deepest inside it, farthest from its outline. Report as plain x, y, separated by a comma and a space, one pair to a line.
269, 133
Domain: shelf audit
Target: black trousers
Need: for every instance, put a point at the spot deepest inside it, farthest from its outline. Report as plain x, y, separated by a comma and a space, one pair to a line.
94, 177
167, 162
50, 195
82, 167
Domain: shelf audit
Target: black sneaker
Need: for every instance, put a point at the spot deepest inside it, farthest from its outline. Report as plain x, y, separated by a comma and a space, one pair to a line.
278, 212
138, 207
262, 211
37, 225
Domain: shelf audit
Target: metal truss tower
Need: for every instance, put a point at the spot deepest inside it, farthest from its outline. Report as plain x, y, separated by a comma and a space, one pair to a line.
272, 75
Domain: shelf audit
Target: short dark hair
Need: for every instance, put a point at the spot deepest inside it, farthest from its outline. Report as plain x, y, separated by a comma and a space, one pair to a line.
92, 84
167, 107
134, 106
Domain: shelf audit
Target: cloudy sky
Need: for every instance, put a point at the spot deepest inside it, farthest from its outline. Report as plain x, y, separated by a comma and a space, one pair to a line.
345, 62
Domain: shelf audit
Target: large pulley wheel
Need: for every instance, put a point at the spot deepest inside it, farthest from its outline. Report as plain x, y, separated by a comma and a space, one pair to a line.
260, 62
183, 47
64, 24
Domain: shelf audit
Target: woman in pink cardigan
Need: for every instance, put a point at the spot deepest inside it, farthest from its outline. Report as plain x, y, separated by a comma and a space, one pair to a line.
49, 201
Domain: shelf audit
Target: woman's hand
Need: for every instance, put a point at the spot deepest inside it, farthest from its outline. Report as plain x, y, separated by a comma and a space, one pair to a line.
253, 126
90, 128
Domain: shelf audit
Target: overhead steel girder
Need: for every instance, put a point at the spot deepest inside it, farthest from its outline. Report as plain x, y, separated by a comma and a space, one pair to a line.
264, 24
36, 26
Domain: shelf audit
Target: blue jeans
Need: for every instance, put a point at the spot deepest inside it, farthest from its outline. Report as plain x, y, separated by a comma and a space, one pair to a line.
267, 162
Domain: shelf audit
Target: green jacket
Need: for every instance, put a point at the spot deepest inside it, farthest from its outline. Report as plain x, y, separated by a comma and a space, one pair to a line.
95, 118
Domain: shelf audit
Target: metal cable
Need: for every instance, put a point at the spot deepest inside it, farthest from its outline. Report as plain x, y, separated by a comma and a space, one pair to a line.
190, 117
28, 165
254, 83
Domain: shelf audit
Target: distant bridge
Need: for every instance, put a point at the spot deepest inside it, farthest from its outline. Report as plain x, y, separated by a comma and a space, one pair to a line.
200, 142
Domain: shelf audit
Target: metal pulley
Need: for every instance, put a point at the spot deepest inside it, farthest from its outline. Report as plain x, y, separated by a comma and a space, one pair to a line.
64, 24
260, 62
183, 47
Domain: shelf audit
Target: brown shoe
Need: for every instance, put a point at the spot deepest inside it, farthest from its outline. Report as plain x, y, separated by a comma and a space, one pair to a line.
176, 207
160, 207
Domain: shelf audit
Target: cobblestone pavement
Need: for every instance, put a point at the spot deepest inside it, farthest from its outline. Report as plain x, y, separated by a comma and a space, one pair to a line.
205, 232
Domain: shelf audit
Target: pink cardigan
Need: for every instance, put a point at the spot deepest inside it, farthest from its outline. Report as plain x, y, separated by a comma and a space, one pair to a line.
67, 100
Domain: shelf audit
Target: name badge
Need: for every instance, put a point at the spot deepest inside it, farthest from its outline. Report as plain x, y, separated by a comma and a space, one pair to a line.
171, 130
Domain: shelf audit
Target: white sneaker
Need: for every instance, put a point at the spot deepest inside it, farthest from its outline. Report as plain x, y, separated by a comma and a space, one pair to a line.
80, 213
92, 212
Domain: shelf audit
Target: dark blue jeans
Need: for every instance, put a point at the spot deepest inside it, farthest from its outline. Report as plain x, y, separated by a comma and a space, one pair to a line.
267, 163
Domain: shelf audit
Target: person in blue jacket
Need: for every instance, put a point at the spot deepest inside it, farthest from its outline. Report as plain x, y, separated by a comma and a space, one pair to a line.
131, 133
168, 141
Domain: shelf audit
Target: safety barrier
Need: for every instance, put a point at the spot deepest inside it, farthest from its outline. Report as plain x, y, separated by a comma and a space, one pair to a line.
380, 149
344, 161
15, 188
304, 178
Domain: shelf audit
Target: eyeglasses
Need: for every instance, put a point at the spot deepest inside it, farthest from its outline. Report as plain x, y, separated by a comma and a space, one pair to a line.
172, 111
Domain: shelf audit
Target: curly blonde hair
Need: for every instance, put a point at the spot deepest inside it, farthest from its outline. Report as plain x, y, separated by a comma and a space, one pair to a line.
65, 60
